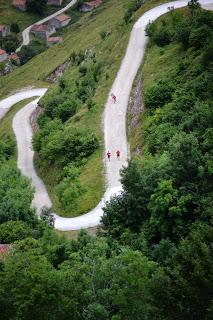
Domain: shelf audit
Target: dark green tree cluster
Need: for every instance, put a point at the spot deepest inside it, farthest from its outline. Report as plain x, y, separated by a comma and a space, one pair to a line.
15, 191
132, 7
28, 52
36, 6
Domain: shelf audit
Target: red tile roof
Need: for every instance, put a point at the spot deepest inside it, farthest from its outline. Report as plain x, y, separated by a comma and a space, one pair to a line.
2, 51
54, 39
14, 56
4, 248
94, 3
40, 27
2, 27
62, 17
19, 2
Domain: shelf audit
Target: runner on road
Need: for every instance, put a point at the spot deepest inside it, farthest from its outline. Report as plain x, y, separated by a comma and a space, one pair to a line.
108, 155
113, 97
118, 153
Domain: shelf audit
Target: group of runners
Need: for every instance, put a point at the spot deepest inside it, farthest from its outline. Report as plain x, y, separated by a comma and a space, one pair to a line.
118, 154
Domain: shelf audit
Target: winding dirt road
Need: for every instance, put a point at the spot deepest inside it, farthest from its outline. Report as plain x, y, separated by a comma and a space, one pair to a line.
114, 124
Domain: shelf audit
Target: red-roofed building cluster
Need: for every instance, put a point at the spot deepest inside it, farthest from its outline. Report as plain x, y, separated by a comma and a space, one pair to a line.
89, 6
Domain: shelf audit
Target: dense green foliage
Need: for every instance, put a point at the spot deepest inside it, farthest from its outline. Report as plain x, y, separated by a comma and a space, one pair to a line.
154, 258
36, 6
59, 142
15, 195
132, 7
28, 52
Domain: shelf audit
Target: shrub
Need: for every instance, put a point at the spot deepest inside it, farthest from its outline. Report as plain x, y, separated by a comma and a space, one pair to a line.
68, 145
159, 94
70, 188
162, 37
66, 110
12, 231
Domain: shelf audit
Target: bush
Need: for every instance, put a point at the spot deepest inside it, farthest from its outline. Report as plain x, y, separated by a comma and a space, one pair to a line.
70, 188
68, 145
15, 28
12, 231
162, 37
133, 6
159, 94
66, 110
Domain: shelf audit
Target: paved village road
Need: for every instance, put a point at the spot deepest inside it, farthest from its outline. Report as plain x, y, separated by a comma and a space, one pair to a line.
114, 124
26, 32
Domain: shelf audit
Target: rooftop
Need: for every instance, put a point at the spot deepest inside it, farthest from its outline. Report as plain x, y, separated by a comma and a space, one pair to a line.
40, 27
2, 51
19, 2
14, 56
94, 3
62, 17
54, 39
2, 27
4, 248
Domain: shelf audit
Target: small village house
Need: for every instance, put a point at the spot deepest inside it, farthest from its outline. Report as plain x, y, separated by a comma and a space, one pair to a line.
54, 40
20, 4
54, 2
4, 31
4, 249
42, 30
60, 21
3, 55
14, 58
89, 6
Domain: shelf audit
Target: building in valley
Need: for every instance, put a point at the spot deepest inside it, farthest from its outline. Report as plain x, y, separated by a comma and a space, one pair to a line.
42, 30
20, 4
3, 55
4, 31
14, 58
89, 6
60, 21
54, 40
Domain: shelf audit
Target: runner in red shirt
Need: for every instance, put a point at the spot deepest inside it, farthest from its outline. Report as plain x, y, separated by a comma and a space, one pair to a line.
118, 153
113, 98
108, 155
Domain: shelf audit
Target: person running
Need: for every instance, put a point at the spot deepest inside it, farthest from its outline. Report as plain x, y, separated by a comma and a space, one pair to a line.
118, 153
113, 98
108, 155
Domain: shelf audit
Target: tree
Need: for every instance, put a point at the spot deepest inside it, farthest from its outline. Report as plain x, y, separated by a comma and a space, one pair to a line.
36, 6
193, 6
184, 290
14, 27
12, 231
16, 195
160, 93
